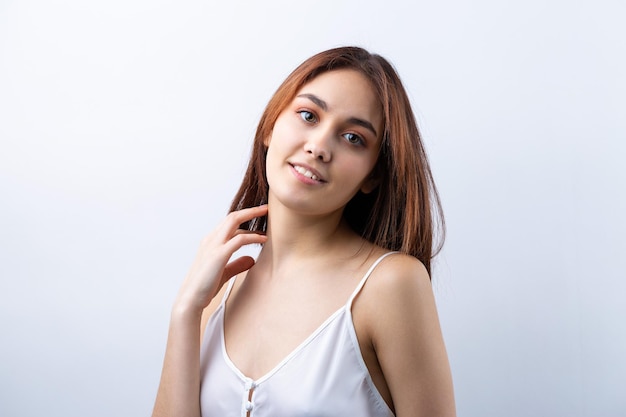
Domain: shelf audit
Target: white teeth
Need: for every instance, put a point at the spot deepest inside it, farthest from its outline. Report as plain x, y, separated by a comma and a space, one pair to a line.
305, 172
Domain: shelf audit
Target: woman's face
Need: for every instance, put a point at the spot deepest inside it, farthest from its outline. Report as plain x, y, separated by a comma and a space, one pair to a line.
325, 144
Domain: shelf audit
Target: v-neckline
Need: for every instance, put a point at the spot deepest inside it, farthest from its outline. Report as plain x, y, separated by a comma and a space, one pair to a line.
287, 358
346, 307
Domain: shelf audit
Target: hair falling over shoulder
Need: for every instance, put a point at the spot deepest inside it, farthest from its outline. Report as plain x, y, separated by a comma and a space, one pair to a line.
404, 212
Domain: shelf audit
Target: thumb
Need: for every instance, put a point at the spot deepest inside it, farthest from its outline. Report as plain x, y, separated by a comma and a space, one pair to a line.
237, 266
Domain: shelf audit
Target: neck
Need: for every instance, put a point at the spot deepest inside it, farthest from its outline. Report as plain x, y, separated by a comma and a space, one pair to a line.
297, 239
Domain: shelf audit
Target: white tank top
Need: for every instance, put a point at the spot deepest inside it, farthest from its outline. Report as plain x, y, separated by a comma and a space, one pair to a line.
324, 376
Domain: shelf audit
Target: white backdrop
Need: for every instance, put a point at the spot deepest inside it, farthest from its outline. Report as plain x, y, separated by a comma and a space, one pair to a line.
125, 127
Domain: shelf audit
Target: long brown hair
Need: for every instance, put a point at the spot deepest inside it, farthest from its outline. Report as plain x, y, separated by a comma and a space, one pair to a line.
404, 212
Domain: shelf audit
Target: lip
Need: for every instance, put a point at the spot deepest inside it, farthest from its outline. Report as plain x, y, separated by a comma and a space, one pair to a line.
320, 179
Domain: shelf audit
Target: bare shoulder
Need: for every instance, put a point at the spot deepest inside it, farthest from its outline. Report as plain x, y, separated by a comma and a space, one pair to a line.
398, 277
397, 294
399, 316
398, 267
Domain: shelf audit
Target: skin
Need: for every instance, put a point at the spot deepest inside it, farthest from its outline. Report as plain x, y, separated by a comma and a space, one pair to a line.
310, 263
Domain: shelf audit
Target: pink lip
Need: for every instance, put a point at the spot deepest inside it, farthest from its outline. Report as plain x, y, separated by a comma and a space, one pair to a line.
306, 179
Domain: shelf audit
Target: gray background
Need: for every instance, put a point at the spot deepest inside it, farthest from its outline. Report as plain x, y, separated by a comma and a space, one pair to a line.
125, 128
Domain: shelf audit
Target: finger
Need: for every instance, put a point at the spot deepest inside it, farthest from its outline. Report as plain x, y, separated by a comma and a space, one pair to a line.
237, 266
241, 216
243, 239
235, 219
247, 232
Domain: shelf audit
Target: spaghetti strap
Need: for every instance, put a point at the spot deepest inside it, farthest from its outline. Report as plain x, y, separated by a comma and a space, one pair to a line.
324, 374
365, 277
231, 284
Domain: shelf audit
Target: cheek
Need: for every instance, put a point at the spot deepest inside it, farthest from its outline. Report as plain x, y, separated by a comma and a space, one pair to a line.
285, 127
275, 152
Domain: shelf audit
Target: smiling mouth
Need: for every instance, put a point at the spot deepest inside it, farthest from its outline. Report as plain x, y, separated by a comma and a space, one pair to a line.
307, 173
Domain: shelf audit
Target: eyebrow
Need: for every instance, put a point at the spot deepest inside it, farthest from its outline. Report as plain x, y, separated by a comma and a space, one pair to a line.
315, 99
353, 120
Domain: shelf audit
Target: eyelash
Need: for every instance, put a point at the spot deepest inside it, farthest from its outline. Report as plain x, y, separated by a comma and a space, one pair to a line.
304, 113
359, 142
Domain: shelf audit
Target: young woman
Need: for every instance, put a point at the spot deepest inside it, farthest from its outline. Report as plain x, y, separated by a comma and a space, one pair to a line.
336, 317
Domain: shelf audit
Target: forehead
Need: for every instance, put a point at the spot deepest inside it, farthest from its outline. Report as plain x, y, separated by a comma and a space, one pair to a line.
346, 92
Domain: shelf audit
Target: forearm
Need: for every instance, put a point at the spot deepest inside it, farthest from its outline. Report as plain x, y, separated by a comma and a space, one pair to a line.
179, 390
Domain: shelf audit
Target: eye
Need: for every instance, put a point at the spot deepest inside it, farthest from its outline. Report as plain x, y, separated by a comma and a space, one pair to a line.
354, 139
307, 116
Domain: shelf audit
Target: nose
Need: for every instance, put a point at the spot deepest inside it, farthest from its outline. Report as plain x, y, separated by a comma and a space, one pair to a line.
318, 146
